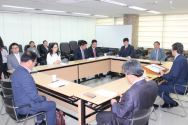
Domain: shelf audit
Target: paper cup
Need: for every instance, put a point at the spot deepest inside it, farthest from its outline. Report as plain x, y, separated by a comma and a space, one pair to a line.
105, 54
54, 78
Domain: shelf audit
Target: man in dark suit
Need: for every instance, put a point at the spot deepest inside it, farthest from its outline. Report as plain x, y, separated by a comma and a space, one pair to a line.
178, 75
93, 53
81, 51
127, 50
44, 49
141, 95
25, 91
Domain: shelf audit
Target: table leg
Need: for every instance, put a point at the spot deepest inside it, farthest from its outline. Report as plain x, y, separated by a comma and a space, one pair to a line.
81, 112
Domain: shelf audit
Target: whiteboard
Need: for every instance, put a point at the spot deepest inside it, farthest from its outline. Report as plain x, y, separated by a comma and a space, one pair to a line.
112, 36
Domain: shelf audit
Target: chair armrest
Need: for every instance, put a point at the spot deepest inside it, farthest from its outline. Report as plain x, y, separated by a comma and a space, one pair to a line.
29, 105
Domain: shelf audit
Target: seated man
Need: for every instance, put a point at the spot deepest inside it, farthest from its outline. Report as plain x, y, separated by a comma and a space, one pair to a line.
14, 59
178, 75
44, 49
93, 53
81, 51
34, 49
157, 53
127, 50
25, 91
141, 95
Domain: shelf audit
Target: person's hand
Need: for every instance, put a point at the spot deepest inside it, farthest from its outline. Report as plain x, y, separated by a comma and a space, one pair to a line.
112, 101
127, 57
58, 61
161, 72
117, 55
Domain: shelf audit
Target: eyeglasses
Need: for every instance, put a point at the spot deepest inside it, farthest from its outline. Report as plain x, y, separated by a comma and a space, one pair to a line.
15, 48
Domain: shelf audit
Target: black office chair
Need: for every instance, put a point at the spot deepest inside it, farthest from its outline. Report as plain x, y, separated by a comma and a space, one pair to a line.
6, 92
20, 49
140, 117
65, 51
5, 48
115, 51
38, 48
181, 105
73, 45
52, 43
10, 109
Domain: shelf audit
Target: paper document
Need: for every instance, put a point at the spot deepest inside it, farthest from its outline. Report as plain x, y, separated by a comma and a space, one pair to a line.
154, 68
120, 57
105, 93
91, 58
33, 70
62, 64
101, 57
58, 84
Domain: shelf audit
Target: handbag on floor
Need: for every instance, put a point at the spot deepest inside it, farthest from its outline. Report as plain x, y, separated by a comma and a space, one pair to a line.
59, 117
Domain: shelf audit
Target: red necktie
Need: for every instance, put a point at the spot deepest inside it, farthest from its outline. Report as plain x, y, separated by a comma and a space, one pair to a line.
125, 49
94, 53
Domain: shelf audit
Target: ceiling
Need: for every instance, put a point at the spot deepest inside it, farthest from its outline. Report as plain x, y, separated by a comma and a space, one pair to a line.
98, 8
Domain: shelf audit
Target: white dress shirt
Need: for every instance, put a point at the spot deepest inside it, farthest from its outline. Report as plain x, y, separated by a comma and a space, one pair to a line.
17, 57
51, 59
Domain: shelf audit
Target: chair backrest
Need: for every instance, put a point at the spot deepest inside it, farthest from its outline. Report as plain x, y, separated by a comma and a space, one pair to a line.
73, 45
5, 48
6, 89
141, 117
65, 48
38, 47
10, 107
20, 49
26, 47
52, 43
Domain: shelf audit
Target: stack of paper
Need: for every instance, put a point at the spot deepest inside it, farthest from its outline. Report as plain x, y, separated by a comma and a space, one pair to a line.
62, 64
105, 93
154, 68
91, 58
58, 84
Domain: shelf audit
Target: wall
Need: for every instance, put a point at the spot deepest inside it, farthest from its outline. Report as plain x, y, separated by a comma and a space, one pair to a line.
22, 28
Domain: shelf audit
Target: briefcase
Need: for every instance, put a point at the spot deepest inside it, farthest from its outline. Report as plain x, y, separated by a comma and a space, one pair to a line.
59, 117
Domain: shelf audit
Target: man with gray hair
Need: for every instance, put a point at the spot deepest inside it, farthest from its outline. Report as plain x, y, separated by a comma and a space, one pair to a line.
141, 95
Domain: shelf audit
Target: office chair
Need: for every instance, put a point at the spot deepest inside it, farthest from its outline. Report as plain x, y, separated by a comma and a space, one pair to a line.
10, 109
177, 94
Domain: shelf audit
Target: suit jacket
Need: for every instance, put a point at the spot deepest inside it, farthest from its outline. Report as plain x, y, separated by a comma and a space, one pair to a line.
178, 73
78, 54
128, 52
25, 90
140, 96
161, 55
12, 61
43, 50
90, 52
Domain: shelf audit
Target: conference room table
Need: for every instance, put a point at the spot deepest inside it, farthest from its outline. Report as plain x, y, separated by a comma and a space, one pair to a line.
72, 95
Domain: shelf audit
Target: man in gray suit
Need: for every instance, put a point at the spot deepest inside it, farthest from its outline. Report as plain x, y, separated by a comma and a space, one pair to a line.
14, 59
157, 53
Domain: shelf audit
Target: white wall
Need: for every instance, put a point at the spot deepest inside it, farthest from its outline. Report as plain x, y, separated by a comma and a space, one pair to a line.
22, 28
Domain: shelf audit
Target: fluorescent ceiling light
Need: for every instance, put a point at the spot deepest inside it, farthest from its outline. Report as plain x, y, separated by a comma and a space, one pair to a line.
151, 11
16, 7
101, 16
137, 8
114, 2
54, 11
82, 14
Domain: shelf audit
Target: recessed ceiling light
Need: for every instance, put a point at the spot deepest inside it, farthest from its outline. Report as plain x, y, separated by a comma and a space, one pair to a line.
151, 11
82, 14
16, 7
101, 16
137, 8
114, 2
54, 11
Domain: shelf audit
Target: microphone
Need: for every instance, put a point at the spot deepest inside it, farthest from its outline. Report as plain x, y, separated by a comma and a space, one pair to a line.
161, 58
